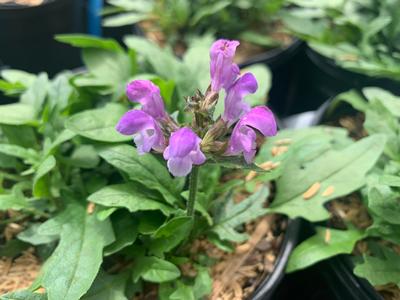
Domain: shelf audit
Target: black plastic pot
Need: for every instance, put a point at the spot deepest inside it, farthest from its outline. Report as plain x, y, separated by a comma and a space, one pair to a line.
332, 79
27, 35
267, 288
285, 65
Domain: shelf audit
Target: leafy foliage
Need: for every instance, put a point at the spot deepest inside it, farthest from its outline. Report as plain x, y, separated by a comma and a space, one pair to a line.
180, 21
84, 194
358, 35
318, 247
380, 195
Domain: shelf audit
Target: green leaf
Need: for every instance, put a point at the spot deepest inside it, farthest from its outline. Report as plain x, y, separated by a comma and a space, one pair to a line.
18, 76
229, 215
98, 124
344, 170
35, 95
124, 19
84, 156
384, 203
316, 248
170, 234
145, 169
380, 270
20, 135
154, 269
208, 10
131, 196
390, 180
72, 268
41, 187
384, 230
202, 283
88, 41
260, 39
196, 60
33, 237
182, 292
109, 67
15, 200
23, 295
166, 64
11, 88
125, 229
17, 114
107, 287
388, 100
30, 155
64, 136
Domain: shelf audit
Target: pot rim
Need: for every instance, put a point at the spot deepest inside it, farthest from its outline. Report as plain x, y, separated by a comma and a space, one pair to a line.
269, 284
275, 56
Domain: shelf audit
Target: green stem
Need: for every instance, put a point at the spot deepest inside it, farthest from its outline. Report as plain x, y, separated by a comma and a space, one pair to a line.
192, 191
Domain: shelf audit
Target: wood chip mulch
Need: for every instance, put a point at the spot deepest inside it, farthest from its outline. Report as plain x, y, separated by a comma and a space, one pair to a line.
18, 274
237, 275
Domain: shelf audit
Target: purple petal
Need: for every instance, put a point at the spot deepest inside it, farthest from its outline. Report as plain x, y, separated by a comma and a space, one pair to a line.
249, 156
235, 107
146, 132
183, 151
243, 138
134, 121
222, 69
148, 94
179, 166
182, 142
262, 119
197, 157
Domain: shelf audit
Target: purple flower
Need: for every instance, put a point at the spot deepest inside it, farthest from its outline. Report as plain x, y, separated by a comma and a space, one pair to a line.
145, 130
223, 70
243, 137
183, 151
234, 104
148, 94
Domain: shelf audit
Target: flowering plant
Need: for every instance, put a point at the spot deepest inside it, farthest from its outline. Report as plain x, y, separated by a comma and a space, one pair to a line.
154, 130
104, 211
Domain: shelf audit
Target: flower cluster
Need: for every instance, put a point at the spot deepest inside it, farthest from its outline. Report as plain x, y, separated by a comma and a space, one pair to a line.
153, 129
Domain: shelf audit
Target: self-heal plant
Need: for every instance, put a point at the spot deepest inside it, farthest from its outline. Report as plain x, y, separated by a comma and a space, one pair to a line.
192, 145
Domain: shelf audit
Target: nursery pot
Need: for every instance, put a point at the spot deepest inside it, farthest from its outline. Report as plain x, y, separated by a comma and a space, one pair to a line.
285, 65
27, 35
267, 288
330, 79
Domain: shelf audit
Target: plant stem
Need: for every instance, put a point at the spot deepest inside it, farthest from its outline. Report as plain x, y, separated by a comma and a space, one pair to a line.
192, 191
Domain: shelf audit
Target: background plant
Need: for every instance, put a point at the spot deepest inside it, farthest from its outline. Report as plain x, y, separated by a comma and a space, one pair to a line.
379, 194
179, 21
362, 36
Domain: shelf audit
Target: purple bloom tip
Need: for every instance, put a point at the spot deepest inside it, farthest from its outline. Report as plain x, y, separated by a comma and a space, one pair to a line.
222, 69
243, 139
183, 152
148, 94
234, 104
